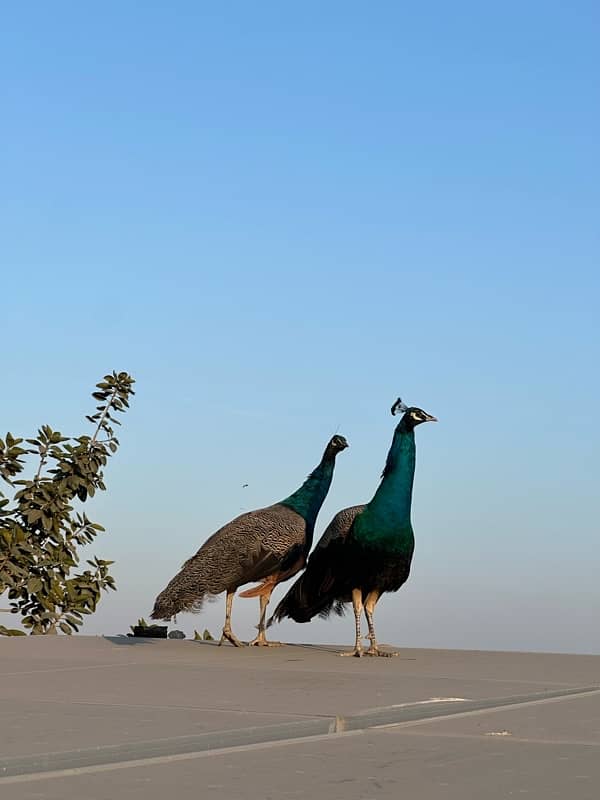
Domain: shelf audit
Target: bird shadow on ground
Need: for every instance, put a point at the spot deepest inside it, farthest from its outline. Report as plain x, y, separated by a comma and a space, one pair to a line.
122, 639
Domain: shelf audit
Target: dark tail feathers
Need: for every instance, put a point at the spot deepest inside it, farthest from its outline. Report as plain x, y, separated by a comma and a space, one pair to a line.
304, 601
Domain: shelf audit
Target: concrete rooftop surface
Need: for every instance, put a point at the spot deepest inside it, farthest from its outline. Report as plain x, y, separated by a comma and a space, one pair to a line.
111, 718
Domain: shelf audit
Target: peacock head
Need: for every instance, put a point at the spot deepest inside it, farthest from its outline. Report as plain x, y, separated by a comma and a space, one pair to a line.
336, 444
411, 415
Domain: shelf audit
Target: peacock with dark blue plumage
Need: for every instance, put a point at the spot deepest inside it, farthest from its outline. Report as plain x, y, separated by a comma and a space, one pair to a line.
366, 550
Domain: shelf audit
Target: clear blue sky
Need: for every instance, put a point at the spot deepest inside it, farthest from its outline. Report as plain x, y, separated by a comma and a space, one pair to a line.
279, 217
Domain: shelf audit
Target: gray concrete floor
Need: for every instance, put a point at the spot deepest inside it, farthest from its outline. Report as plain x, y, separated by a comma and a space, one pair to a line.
89, 717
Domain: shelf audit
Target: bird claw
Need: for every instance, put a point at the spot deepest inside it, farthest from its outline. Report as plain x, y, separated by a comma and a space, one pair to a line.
357, 653
375, 651
230, 637
262, 642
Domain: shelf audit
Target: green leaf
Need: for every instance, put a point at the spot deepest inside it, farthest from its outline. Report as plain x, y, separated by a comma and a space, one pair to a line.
34, 585
11, 631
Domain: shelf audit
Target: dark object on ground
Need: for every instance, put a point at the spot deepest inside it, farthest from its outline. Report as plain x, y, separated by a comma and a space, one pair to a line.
176, 635
151, 631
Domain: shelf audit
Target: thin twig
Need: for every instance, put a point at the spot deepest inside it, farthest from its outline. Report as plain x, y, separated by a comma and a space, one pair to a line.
103, 417
43, 459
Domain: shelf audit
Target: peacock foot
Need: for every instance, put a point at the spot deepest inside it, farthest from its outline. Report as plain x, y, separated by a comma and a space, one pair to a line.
229, 635
263, 642
357, 652
375, 651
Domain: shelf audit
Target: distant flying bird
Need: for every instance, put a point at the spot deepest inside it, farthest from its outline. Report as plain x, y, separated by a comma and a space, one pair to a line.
268, 545
244, 485
366, 550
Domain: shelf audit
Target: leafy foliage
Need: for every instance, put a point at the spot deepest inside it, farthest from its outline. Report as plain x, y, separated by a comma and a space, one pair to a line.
40, 530
141, 623
205, 637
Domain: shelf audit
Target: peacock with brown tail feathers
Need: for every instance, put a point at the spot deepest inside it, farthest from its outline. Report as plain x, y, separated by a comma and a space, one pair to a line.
268, 545
366, 550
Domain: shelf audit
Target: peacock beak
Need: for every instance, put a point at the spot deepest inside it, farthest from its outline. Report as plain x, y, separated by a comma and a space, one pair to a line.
431, 418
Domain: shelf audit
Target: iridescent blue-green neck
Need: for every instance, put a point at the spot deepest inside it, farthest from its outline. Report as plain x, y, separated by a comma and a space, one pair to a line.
308, 499
394, 494
386, 519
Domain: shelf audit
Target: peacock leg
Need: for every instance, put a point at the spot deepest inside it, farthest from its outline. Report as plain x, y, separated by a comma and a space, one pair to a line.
261, 639
370, 603
227, 632
357, 605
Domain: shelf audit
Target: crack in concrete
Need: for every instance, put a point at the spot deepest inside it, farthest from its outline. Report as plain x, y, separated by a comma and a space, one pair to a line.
105, 757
